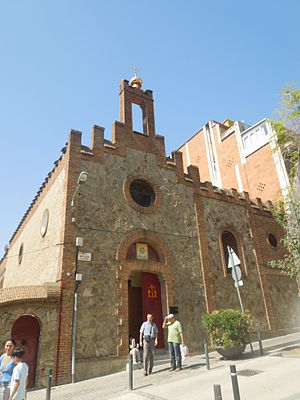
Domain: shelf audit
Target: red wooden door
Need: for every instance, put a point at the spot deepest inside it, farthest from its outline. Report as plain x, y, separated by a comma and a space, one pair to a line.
151, 296
26, 334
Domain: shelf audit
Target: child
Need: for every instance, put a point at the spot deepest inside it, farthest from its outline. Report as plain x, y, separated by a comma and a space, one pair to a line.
134, 350
19, 378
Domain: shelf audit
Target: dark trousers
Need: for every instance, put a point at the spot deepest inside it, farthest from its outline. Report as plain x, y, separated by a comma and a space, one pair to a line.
175, 355
148, 348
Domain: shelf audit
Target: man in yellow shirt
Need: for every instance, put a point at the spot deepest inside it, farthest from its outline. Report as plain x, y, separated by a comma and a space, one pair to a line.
175, 338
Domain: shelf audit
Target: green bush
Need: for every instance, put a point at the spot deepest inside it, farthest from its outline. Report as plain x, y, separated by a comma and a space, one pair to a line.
228, 327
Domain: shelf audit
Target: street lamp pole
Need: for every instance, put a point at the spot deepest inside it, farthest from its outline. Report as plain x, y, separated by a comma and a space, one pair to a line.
78, 277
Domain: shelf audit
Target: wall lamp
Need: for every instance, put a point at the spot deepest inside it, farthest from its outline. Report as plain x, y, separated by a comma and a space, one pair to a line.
81, 179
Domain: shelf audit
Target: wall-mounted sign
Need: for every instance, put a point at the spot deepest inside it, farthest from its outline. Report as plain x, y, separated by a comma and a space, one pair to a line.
142, 251
84, 256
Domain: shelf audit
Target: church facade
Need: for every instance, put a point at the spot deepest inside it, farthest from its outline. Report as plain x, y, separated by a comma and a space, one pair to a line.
123, 230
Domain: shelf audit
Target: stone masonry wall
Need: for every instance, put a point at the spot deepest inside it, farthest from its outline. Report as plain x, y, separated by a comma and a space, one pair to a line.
220, 215
105, 218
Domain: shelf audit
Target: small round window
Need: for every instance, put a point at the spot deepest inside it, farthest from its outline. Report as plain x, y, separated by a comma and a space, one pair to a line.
44, 224
142, 193
272, 240
20, 256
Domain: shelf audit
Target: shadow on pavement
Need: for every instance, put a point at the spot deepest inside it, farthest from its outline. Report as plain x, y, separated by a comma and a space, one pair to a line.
143, 386
280, 345
194, 366
160, 370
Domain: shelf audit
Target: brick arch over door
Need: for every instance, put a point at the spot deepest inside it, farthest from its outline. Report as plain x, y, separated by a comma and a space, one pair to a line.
239, 244
161, 268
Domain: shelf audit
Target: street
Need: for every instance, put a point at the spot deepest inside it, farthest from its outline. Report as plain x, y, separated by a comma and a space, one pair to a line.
274, 376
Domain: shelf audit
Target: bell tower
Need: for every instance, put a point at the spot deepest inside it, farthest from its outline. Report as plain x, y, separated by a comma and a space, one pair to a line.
132, 93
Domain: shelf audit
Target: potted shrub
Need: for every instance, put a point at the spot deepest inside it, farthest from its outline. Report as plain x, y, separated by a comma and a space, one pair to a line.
229, 330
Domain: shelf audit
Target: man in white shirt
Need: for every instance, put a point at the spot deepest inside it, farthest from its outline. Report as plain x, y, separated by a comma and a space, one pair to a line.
149, 332
19, 378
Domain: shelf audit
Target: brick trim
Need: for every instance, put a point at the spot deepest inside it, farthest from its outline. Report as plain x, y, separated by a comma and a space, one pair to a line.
240, 244
49, 292
149, 237
162, 269
68, 254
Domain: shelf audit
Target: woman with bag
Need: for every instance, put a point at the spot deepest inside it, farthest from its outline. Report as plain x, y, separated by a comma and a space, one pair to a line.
6, 370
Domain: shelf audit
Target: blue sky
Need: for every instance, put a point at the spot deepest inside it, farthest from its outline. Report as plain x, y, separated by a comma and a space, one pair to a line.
62, 62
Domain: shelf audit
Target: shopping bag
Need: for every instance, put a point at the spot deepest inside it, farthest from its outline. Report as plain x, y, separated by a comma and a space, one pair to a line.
184, 351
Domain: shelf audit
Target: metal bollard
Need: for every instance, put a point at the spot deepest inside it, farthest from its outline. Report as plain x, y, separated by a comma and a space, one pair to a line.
130, 372
48, 392
206, 356
235, 384
250, 343
260, 342
217, 392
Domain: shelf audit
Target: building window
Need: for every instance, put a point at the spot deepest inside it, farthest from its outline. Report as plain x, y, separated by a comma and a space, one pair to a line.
44, 224
142, 193
255, 138
272, 240
228, 239
20, 255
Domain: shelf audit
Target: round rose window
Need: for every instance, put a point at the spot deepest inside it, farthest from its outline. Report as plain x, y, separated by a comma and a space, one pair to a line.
142, 193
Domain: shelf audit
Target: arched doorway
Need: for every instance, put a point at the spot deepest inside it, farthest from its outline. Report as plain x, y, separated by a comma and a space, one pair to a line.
26, 334
141, 253
144, 297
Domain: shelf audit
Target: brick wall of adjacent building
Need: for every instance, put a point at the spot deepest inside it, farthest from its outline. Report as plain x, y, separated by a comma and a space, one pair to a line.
261, 175
258, 173
229, 157
197, 154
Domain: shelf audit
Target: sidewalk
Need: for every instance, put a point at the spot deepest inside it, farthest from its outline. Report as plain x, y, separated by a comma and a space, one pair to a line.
274, 376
